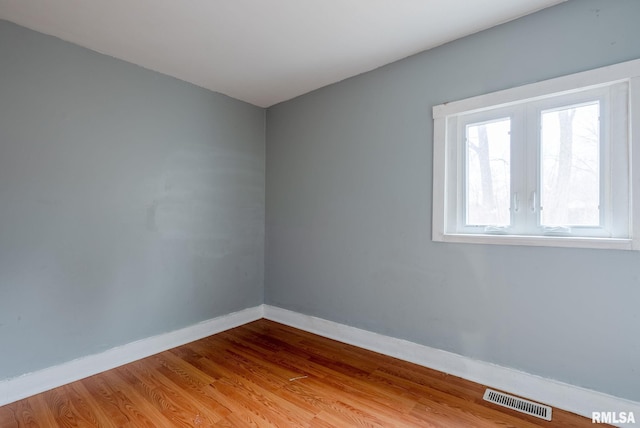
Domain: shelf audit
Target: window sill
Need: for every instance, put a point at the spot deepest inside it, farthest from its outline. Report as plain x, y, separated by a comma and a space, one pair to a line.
539, 241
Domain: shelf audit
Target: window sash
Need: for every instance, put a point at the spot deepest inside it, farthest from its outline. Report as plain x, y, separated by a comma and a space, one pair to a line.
526, 167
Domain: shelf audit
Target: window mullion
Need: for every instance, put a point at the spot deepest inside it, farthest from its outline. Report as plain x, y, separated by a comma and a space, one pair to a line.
519, 173
534, 165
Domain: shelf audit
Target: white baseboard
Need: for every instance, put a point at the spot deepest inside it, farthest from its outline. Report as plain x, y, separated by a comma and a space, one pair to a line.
554, 393
564, 396
43, 380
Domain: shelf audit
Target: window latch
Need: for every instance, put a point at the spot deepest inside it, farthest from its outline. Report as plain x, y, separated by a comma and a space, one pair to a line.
496, 229
532, 201
556, 230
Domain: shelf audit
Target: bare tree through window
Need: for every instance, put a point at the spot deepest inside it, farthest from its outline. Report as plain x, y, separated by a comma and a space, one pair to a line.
570, 148
488, 173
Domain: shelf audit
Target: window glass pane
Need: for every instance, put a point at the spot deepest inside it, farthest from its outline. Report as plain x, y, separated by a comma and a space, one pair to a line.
488, 173
570, 172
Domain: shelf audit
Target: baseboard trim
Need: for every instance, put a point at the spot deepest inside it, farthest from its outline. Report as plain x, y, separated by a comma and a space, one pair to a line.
24, 386
548, 391
558, 394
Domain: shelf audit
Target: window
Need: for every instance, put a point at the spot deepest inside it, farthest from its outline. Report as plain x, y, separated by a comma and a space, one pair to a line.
543, 164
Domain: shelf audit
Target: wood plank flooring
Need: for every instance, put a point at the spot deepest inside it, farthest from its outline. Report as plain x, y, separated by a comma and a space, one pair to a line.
265, 374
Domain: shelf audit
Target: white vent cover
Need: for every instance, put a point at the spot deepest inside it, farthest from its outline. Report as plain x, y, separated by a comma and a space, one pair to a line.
519, 404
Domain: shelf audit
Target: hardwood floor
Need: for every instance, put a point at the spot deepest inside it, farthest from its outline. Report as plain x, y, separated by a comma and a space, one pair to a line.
265, 374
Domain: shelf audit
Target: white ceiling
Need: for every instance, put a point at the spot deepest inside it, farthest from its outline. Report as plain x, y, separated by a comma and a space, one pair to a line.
263, 51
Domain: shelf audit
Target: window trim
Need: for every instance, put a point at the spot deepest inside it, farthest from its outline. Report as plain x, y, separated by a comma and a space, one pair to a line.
442, 175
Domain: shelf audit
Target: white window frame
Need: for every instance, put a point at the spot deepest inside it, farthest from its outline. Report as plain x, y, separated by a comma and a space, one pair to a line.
446, 160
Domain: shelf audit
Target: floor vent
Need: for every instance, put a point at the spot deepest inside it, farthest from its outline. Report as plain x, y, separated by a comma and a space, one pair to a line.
518, 404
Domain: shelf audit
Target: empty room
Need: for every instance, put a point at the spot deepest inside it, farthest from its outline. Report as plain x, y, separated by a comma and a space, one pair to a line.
319, 213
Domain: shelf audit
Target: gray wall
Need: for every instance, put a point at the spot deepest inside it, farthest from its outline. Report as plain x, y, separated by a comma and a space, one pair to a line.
348, 223
131, 203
